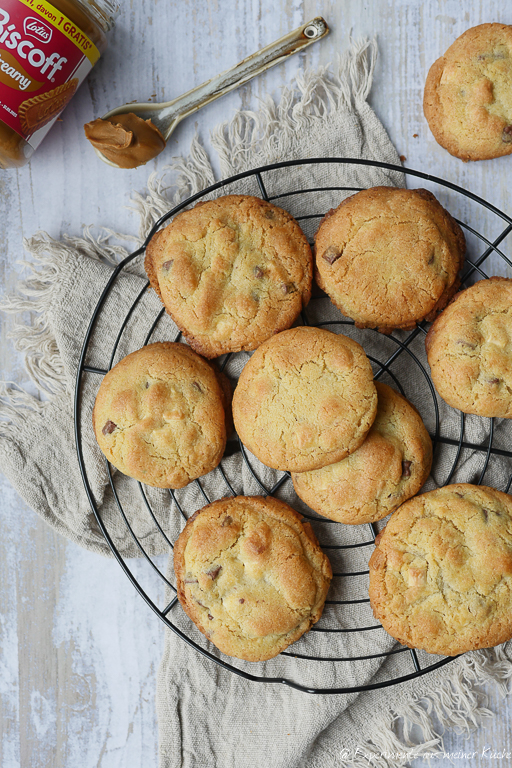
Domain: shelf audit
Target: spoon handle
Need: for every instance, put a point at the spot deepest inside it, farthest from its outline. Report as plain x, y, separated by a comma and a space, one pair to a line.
233, 78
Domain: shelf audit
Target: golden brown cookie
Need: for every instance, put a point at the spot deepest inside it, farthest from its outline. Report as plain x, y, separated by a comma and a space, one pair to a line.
305, 399
251, 575
389, 257
468, 99
469, 349
160, 415
387, 469
231, 272
441, 573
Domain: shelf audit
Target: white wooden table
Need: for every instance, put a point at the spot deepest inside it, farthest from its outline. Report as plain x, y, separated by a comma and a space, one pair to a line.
78, 665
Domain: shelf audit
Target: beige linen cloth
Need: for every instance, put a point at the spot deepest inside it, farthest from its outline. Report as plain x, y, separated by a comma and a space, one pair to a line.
210, 716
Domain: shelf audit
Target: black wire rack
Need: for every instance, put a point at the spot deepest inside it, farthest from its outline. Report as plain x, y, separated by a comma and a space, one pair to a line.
394, 346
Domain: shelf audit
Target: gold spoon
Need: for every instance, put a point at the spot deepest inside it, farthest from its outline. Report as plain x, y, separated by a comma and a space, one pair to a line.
166, 116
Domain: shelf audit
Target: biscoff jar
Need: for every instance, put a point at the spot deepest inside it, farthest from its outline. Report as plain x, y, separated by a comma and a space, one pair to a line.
46, 51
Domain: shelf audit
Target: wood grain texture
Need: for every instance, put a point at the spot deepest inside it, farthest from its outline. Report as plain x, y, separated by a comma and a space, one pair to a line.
79, 647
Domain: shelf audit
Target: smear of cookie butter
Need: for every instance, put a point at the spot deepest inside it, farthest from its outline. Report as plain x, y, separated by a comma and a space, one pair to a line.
126, 140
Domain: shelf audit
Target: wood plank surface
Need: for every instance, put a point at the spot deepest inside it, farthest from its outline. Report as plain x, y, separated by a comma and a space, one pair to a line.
79, 648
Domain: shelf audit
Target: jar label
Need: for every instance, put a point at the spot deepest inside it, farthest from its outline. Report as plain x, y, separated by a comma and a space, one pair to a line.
43, 59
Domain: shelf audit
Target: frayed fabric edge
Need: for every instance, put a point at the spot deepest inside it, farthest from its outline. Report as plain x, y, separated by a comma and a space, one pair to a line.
48, 269
410, 730
15, 405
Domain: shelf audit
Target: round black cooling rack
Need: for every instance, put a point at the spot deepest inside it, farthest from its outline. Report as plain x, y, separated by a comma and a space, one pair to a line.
397, 663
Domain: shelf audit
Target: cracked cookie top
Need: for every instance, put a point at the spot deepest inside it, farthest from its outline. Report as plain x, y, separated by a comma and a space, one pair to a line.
231, 272
441, 573
389, 257
468, 99
251, 575
387, 469
469, 349
305, 399
160, 415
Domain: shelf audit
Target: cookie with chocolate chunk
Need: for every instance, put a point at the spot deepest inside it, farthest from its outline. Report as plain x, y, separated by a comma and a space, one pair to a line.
441, 572
389, 258
469, 349
468, 99
387, 469
305, 399
231, 272
160, 415
251, 575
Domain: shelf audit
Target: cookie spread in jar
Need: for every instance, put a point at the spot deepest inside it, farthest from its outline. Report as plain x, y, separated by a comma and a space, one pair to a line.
46, 51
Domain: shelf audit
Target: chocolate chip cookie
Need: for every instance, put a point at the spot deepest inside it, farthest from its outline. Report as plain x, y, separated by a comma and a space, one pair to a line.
387, 469
160, 415
251, 575
231, 272
305, 399
389, 257
468, 99
441, 573
469, 349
